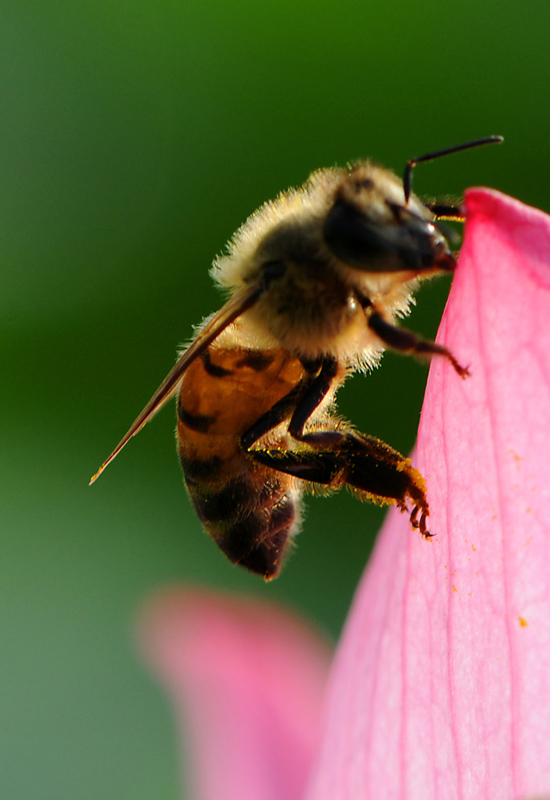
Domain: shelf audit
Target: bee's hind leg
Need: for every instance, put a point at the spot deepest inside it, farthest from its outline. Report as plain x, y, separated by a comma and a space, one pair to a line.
339, 456
364, 463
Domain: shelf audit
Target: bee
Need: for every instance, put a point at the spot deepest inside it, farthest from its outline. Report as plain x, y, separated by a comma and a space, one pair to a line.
317, 280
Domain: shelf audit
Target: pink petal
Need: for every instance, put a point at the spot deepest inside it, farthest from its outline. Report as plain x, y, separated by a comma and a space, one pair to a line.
442, 683
246, 680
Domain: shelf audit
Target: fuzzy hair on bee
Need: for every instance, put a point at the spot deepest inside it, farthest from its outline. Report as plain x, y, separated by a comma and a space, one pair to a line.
317, 280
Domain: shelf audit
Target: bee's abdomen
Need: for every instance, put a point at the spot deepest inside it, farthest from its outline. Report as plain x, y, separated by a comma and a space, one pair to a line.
252, 516
251, 511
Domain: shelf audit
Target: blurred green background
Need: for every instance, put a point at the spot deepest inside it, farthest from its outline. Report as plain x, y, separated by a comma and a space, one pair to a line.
135, 137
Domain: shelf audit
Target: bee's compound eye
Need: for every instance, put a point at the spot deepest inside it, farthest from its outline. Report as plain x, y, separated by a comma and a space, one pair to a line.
352, 238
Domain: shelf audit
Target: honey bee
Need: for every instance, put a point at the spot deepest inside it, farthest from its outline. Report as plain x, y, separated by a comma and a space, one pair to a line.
316, 280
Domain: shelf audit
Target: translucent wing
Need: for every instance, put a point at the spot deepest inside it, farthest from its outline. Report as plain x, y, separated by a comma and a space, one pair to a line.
235, 306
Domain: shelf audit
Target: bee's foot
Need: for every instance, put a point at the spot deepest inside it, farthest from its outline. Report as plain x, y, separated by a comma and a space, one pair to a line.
418, 518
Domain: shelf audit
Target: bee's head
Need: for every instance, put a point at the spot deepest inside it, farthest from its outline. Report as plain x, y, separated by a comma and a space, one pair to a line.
377, 225
372, 227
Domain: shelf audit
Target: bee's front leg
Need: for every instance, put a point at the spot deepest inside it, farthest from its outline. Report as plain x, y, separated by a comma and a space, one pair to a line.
407, 342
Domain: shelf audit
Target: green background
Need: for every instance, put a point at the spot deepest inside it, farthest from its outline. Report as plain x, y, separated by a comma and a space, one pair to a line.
134, 138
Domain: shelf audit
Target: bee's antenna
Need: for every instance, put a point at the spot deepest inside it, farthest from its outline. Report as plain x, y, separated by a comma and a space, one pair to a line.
407, 177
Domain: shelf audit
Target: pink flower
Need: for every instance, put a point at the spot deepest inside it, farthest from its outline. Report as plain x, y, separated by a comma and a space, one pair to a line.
440, 687
247, 680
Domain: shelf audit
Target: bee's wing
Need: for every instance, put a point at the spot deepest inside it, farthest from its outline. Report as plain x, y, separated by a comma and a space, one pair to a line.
229, 312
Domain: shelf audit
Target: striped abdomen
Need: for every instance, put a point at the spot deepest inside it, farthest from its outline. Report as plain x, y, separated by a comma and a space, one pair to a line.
251, 511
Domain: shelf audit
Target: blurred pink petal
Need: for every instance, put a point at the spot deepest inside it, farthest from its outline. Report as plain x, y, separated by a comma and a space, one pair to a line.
246, 680
441, 687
